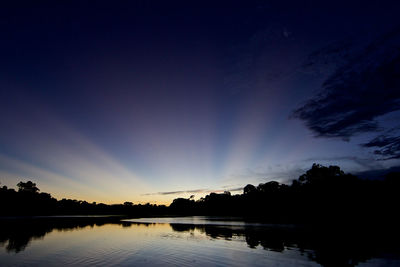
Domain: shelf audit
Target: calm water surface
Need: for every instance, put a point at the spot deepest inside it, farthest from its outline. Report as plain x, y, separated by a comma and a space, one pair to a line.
186, 241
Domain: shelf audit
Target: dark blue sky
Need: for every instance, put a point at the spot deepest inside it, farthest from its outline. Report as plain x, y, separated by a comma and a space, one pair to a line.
111, 101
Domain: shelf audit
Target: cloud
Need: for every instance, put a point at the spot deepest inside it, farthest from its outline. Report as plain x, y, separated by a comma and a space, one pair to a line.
177, 192
366, 163
357, 94
283, 174
195, 191
378, 173
388, 147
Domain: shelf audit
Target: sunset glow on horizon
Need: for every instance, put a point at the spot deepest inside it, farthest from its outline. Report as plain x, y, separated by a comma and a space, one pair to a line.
150, 102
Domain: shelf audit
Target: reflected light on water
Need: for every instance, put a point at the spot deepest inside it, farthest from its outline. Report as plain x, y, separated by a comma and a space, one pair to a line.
157, 242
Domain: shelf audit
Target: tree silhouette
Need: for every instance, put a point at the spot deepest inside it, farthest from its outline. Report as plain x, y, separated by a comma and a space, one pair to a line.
27, 187
249, 189
319, 174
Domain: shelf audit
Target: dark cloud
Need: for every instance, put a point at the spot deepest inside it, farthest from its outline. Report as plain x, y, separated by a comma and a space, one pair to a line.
388, 147
366, 163
377, 174
357, 93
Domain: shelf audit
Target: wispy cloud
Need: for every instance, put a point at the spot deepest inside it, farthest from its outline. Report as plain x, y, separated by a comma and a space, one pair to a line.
366, 163
272, 173
387, 146
204, 191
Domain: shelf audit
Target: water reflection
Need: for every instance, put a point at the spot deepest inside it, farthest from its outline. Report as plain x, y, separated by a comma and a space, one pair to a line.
326, 246
16, 234
329, 246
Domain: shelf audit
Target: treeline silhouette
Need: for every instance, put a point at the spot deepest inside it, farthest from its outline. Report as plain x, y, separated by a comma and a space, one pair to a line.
321, 194
27, 201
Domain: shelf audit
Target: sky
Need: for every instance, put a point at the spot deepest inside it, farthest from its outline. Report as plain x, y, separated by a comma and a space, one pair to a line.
147, 101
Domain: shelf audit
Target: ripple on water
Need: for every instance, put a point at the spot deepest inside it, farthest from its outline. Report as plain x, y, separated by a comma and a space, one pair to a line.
162, 244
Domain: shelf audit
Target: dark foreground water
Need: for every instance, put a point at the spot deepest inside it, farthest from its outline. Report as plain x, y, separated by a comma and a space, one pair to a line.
188, 241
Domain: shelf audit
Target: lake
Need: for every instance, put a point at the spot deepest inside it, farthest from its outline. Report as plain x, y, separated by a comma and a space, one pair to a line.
187, 241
